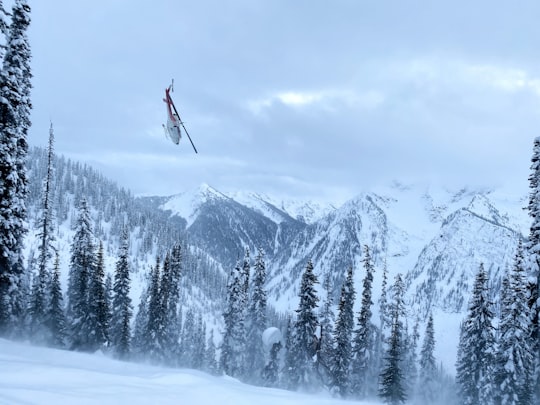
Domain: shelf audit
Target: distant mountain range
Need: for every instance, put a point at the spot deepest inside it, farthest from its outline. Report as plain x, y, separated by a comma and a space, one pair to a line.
434, 236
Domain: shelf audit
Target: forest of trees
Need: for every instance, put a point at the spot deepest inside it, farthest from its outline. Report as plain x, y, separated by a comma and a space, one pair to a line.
322, 347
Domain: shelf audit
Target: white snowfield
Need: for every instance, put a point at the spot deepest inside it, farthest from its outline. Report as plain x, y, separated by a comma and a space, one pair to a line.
36, 375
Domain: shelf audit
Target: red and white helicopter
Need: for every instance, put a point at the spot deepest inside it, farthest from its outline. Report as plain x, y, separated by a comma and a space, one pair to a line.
172, 129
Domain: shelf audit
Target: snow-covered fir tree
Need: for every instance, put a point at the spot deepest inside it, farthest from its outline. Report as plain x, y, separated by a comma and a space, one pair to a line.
234, 337
364, 377
109, 301
533, 263
392, 380
428, 391
97, 317
477, 346
171, 283
154, 328
189, 336
15, 106
514, 360
169, 347
210, 363
123, 310
139, 328
410, 359
81, 269
246, 272
57, 318
39, 308
304, 344
256, 319
200, 342
341, 367
327, 320
384, 323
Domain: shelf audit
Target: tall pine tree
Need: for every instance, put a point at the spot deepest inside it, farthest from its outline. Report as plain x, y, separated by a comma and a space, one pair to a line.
234, 337
392, 379
45, 234
97, 316
477, 346
154, 328
81, 270
343, 334
364, 379
514, 360
15, 106
304, 344
327, 319
257, 319
57, 318
428, 390
533, 249
123, 310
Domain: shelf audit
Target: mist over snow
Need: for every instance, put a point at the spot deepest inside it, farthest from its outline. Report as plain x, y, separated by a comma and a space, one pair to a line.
41, 376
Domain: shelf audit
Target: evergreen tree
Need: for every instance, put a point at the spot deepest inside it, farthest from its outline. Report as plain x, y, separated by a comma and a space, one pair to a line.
171, 283
515, 358
343, 334
410, 359
109, 302
476, 346
392, 389
81, 269
40, 298
384, 324
428, 390
123, 310
304, 339
15, 108
246, 270
210, 355
154, 334
57, 319
257, 319
328, 320
140, 341
363, 344
97, 316
166, 343
199, 343
533, 250
234, 337
189, 337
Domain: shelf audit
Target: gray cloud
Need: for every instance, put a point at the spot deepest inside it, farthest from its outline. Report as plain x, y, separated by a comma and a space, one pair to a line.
305, 97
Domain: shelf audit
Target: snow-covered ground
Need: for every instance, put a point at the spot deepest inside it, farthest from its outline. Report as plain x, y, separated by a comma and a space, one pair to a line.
36, 375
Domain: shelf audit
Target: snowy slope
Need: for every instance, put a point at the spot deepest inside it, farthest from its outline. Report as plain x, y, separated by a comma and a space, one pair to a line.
39, 376
275, 208
187, 204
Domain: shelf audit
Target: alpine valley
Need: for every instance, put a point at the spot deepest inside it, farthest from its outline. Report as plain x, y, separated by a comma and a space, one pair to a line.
434, 236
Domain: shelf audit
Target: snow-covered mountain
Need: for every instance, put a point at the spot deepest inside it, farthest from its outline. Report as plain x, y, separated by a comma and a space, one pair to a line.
427, 233
435, 237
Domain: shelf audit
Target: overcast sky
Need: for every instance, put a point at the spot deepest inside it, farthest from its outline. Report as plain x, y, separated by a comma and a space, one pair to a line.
296, 97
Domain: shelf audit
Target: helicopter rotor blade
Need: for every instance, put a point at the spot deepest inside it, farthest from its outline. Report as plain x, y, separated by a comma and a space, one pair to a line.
189, 137
181, 122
